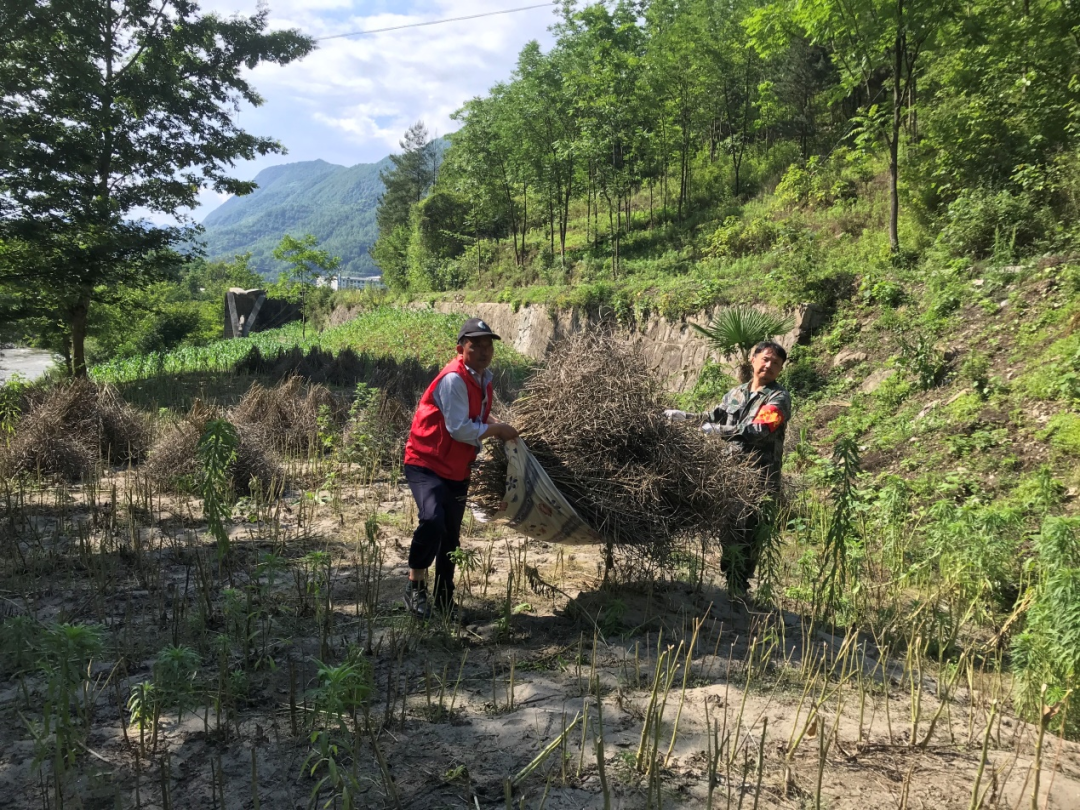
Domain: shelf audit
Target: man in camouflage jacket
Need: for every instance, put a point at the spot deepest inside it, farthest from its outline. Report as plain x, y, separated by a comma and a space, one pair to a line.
753, 417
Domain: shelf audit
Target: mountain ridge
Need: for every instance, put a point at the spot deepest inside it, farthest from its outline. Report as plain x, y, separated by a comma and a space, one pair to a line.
335, 203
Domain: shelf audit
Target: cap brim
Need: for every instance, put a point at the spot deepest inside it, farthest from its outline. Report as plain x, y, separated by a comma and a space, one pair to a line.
491, 335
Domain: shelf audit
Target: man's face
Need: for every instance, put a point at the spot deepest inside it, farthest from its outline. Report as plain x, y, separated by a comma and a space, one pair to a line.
477, 352
766, 366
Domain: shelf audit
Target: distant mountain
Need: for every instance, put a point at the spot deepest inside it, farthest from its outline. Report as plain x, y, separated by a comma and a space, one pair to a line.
336, 203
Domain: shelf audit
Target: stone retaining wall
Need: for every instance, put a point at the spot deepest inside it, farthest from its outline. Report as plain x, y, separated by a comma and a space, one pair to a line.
674, 349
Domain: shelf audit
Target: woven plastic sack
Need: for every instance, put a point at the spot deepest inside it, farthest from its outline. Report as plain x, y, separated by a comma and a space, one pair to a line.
533, 505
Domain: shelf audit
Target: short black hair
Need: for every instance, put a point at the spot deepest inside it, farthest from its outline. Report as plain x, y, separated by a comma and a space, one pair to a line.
777, 349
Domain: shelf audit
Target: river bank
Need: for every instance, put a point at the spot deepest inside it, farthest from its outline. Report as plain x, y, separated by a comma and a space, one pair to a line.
28, 363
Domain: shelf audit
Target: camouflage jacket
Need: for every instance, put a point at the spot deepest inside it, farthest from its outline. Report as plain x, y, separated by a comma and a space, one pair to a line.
755, 422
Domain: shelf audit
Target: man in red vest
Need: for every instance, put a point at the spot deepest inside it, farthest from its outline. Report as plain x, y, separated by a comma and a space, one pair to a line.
453, 417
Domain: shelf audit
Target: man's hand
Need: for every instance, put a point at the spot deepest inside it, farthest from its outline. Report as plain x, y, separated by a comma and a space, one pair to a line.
676, 416
500, 430
718, 430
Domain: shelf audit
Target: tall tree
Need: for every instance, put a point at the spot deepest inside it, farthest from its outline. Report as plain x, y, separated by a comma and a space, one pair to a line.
404, 185
604, 79
110, 108
549, 131
410, 178
1010, 78
483, 165
308, 264
879, 46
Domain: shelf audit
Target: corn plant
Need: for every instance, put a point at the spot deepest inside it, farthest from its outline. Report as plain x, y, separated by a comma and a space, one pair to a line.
65, 655
11, 393
834, 572
341, 692
217, 451
144, 709
175, 670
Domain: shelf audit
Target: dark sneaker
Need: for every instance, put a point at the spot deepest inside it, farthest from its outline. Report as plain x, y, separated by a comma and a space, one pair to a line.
416, 600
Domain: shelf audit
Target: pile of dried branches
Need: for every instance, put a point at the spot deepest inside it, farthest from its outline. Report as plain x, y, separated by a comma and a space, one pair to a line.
67, 429
174, 460
292, 414
593, 417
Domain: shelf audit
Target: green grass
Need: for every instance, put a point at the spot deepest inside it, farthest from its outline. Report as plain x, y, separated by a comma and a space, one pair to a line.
1063, 431
385, 332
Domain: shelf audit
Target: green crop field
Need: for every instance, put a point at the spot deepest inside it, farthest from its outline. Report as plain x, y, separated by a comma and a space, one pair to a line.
385, 332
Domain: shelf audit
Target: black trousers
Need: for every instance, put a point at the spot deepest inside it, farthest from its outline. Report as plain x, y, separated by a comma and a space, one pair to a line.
742, 549
441, 508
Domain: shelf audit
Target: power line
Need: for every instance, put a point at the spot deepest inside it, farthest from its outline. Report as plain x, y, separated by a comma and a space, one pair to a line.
435, 22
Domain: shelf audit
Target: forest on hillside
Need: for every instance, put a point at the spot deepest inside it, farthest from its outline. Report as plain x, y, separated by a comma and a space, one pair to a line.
659, 116
336, 204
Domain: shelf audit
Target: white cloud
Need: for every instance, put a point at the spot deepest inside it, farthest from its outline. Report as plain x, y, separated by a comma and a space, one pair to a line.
352, 99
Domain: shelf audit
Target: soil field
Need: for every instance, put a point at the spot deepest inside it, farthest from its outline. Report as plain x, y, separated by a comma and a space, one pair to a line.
150, 665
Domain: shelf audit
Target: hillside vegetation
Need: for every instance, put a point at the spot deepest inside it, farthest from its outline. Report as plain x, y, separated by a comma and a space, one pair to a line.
202, 548
336, 204
909, 169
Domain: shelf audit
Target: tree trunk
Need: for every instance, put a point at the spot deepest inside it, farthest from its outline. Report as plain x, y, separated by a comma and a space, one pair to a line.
651, 183
588, 207
913, 112
736, 164
551, 223
479, 265
611, 232
77, 317
564, 217
894, 143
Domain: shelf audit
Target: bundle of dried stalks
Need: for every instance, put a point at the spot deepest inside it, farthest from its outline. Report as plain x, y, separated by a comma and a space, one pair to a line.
593, 417
291, 414
174, 462
126, 434
68, 428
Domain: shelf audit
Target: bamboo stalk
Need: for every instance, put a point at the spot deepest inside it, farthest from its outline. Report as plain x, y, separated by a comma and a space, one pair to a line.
538, 760
975, 800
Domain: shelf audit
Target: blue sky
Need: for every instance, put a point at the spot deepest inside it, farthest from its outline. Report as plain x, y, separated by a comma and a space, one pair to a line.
352, 99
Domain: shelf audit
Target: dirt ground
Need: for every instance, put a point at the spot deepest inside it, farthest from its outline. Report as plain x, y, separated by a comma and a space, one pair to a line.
752, 708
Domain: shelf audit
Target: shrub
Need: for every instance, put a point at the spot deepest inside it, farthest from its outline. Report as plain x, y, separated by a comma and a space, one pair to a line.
923, 361
799, 185
769, 167
377, 428
1047, 652
802, 377
712, 383
883, 292
983, 223
738, 238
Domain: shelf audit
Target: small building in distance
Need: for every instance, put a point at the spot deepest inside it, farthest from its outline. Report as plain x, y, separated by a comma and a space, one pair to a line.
347, 282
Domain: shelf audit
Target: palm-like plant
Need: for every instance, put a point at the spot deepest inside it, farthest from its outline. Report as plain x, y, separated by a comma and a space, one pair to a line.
737, 330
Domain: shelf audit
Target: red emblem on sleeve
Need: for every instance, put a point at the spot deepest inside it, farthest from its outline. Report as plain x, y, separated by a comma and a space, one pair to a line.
770, 416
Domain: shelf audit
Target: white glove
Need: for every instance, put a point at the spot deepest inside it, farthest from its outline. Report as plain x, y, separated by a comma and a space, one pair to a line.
710, 427
676, 416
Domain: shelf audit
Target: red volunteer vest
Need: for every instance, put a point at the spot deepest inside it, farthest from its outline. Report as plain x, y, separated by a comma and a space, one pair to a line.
430, 444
